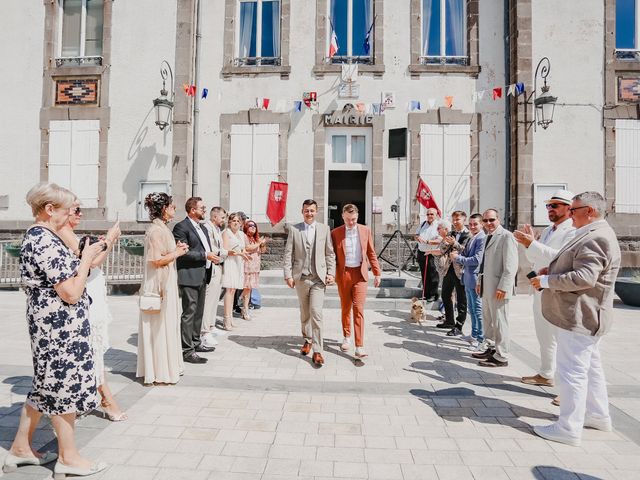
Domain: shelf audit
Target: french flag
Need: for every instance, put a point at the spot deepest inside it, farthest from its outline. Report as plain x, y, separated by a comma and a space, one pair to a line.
333, 46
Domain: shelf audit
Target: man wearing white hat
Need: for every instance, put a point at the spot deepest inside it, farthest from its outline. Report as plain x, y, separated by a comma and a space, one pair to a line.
540, 253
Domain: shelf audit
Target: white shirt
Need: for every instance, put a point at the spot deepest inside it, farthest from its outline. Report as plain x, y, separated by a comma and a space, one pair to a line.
353, 257
203, 239
310, 230
427, 232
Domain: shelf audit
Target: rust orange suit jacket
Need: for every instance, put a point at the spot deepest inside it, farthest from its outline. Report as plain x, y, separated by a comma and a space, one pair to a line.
369, 257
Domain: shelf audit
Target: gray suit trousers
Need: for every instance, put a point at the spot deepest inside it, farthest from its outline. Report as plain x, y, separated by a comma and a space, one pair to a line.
494, 317
310, 290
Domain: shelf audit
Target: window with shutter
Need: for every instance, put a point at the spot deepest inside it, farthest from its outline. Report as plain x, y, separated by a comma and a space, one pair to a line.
627, 166
445, 158
74, 158
254, 165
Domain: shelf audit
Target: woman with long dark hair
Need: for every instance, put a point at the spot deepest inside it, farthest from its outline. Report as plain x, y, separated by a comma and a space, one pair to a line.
251, 266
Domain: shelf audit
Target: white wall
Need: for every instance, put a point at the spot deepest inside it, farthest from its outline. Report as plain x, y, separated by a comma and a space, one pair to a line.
21, 46
571, 150
138, 150
231, 96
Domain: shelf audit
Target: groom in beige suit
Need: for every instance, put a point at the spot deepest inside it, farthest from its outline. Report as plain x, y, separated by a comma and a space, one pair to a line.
578, 299
309, 266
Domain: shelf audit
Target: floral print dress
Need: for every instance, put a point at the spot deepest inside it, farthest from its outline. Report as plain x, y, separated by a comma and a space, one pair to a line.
64, 379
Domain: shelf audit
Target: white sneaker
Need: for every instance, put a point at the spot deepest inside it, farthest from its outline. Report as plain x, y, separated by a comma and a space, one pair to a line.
360, 353
208, 340
602, 424
467, 338
553, 433
346, 344
474, 346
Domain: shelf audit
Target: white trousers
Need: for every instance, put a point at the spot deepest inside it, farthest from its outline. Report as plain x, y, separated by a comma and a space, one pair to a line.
580, 381
212, 299
546, 333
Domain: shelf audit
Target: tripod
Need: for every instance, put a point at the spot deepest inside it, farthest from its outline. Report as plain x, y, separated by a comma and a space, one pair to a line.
398, 237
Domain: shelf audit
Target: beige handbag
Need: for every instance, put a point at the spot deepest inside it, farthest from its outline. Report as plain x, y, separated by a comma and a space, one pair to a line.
150, 302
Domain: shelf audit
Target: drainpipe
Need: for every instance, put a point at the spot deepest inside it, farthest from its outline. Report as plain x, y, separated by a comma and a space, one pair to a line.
196, 100
507, 118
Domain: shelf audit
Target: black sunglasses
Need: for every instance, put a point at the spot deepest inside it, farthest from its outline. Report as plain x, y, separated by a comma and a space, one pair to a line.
578, 208
489, 220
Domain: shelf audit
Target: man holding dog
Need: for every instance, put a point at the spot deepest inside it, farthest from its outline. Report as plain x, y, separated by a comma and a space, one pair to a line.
353, 245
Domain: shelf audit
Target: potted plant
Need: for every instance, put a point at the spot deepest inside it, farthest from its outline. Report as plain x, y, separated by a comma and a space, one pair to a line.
132, 247
628, 289
13, 249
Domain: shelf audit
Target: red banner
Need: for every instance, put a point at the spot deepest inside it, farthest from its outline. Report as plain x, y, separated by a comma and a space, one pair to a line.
277, 201
425, 197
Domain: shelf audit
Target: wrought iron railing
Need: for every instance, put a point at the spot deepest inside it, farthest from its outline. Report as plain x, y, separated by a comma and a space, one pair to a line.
256, 61
444, 60
78, 61
120, 267
627, 54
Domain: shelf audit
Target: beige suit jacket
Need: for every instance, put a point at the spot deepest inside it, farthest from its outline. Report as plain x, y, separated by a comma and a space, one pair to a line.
581, 281
500, 264
294, 252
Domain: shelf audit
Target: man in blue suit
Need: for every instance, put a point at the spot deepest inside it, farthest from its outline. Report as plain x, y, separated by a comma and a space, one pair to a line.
470, 259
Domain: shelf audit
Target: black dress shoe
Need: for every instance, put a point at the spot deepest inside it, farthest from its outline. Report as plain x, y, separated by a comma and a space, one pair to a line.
484, 355
454, 332
445, 325
493, 362
193, 358
203, 349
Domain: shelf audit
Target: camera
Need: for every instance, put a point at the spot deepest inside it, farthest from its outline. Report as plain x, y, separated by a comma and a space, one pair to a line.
91, 240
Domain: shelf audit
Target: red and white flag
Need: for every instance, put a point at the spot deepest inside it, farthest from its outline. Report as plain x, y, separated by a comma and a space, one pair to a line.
333, 46
277, 201
425, 197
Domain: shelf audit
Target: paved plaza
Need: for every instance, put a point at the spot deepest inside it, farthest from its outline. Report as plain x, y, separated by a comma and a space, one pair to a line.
418, 408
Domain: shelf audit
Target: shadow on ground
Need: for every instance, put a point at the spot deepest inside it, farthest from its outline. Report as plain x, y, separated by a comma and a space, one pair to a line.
542, 472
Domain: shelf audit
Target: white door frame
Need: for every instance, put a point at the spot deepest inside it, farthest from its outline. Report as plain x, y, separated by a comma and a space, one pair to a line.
366, 166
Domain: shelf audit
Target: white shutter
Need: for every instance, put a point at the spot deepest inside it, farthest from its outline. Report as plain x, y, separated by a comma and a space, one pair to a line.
432, 161
60, 153
457, 168
85, 165
627, 166
265, 167
240, 168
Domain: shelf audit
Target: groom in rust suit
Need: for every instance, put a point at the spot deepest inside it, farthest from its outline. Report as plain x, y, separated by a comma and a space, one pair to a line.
353, 246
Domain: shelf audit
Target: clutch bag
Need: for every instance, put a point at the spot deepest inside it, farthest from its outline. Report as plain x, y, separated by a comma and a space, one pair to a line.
150, 302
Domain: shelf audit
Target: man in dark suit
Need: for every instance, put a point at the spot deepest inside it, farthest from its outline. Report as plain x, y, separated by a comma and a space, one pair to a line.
457, 240
194, 274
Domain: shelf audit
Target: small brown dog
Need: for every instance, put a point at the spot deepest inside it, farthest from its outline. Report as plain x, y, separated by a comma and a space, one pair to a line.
418, 310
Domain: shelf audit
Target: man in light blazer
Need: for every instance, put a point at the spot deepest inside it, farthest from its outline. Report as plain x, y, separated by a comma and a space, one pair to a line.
194, 273
217, 218
353, 245
578, 300
496, 284
309, 266
540, 252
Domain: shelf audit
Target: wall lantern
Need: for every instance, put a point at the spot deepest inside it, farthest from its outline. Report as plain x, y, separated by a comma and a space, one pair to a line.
163, 104
544, 104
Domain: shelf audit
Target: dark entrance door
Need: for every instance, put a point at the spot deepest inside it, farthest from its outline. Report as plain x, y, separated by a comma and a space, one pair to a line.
346, 186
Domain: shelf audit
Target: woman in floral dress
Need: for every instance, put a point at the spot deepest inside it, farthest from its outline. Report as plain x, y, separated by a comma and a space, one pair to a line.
64, 382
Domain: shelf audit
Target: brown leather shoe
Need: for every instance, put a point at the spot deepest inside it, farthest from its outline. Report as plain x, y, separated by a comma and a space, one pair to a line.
484, 355
556, 401
306, 348
537, 380
317, 359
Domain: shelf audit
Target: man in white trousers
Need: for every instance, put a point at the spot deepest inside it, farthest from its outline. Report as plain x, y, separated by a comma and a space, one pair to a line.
578, 300
217, 219
540, 252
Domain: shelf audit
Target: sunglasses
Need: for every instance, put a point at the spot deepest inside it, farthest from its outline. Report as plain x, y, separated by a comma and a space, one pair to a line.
489, 220
251, 225
578, 208
551, 206
77, 211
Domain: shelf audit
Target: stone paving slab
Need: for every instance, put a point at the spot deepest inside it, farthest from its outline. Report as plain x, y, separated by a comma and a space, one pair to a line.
418, 407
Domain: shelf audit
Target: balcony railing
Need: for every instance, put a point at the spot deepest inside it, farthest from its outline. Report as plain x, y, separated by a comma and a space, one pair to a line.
627, 54
120, 266
256, 61
78, 61
340, 59
444, 60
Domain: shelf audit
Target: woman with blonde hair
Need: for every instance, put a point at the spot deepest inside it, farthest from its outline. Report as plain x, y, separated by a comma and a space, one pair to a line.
99, 315
64, 381
159, 348
234, 242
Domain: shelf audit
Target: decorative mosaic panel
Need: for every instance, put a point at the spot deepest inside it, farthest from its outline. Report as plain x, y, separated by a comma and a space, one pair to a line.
81, 91
629, 89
